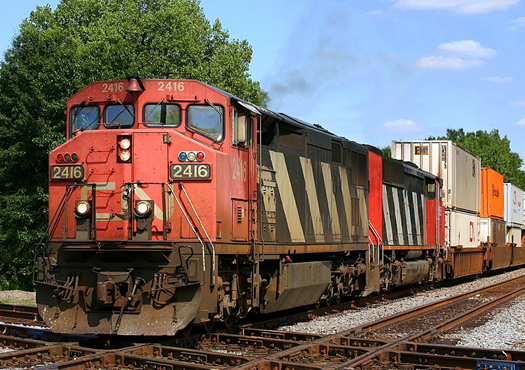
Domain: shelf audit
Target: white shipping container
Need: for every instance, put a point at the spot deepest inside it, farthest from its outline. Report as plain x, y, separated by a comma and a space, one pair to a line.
458, 168
492, 230
461, 228
514, 235
514, 212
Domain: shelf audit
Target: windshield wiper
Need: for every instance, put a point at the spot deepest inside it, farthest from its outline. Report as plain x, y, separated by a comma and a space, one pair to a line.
88, 127
213, 106
118, 124
126, 106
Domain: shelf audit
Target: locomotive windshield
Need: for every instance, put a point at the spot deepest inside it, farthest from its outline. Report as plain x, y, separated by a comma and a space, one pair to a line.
168, 114
206, 120
121, 114
84, 117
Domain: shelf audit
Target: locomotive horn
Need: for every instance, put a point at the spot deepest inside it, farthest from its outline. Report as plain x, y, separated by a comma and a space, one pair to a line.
134, 84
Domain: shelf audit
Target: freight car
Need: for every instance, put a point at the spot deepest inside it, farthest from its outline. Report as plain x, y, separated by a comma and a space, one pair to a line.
173, 203
483, 216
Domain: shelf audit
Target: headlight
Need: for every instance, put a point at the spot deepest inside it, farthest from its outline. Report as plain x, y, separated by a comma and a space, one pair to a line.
82, 208
125, 143
143, 208
124, 155
124, 148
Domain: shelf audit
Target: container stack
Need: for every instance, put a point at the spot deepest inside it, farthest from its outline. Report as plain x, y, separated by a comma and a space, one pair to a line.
514, 213
460, 171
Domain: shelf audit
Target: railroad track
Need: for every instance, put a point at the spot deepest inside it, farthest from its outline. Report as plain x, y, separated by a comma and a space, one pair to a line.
400, 341
18, 313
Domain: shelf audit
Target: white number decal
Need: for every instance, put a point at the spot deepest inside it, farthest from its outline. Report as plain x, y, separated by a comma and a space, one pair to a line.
67, 172
239, 170
190, 171
113, 87
169, 86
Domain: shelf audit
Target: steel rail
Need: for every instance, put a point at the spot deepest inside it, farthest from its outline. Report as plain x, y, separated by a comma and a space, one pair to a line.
442, 327
362, 360
427, 308
11, 311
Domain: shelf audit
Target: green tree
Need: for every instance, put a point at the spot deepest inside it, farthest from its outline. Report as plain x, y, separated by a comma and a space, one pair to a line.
494, 151
56, 53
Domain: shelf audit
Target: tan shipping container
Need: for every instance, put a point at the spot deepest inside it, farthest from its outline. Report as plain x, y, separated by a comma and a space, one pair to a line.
458, 168
513, 235
492, 230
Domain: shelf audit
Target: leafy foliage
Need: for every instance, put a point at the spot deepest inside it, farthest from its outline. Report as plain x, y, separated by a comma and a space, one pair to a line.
58, 52
493, 150
387, 151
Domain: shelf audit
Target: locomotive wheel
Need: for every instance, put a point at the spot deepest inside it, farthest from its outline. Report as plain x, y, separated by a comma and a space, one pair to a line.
337, 298
230, 318
187, 330
208, 325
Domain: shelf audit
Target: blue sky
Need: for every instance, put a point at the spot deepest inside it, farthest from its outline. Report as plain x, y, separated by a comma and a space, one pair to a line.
378, 70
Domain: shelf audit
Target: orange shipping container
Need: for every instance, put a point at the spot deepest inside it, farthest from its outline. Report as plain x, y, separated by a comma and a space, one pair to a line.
492, 202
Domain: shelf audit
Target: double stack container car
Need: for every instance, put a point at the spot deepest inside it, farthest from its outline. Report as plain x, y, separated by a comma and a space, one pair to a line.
460, 172
482, 214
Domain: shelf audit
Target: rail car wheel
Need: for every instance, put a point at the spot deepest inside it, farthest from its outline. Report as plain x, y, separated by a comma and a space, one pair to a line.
329, 296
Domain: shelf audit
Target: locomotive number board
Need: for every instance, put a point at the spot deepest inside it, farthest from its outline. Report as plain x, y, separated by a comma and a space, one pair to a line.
67, 172
190, 171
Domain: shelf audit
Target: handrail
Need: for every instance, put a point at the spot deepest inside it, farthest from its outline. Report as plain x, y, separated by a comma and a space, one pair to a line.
53, 223
181, 186
192, 226
51, 226
374, 231
379, 240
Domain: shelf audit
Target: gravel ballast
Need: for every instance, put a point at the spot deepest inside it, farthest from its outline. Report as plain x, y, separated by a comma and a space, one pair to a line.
508, 323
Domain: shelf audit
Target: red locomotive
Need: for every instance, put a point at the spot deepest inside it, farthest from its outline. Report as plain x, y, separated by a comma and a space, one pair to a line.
173, 203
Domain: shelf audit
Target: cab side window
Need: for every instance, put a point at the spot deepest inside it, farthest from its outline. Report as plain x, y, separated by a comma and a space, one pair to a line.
431, 190
207, 120
240, 128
